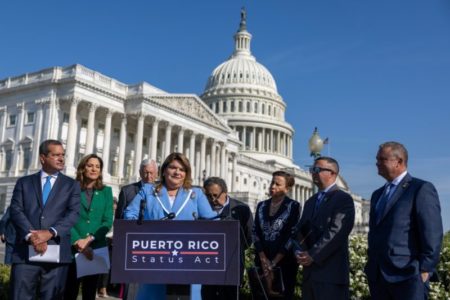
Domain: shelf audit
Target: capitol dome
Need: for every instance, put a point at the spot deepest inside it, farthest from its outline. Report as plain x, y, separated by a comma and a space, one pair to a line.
244, 93
241, 70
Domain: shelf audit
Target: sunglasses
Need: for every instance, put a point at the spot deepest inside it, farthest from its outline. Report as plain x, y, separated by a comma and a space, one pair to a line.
317, 170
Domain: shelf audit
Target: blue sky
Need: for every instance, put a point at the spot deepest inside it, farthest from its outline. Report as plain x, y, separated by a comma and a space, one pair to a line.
364, 72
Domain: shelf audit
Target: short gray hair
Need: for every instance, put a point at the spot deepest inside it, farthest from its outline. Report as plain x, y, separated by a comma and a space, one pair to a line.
147, 162
398, 150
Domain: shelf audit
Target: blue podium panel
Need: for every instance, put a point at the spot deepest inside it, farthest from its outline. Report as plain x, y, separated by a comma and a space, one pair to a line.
176, 252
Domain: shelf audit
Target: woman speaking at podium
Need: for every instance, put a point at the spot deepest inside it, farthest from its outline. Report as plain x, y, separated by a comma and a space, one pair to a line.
172, 198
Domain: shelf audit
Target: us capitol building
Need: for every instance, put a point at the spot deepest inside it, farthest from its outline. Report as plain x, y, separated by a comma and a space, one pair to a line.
236, 129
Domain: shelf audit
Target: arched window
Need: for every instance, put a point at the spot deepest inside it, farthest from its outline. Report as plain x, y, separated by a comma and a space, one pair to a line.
256, 107
248, 106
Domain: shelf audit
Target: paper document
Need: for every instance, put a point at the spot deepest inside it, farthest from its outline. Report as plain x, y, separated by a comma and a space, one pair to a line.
98, 265
51, 255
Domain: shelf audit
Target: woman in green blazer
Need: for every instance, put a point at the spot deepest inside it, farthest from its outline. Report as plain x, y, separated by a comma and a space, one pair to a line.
96, 216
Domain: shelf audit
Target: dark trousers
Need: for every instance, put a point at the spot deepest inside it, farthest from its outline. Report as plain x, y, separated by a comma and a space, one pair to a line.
88, 285
47, 278
220, 292
411, 289
314, 290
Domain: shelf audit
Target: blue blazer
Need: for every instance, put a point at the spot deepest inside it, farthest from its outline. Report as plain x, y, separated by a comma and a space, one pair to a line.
29, 213
407, 240
188, 205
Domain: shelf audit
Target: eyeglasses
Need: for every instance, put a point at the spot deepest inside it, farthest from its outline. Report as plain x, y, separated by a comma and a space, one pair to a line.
213, 197
317, 170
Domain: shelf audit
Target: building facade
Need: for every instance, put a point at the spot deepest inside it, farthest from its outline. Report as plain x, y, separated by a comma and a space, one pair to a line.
236, 129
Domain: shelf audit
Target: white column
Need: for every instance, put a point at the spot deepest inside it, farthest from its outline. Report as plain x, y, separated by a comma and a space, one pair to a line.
202, 155
290, 147
253, 140
212, 171
244, 137
18, 137
279, 142
107, 142
122, 146
90, 138
168, 140
223, 162
72, 133
180, 143
272, 142
2, 134
234, 172
154, 140
37, 138
263, 140
220, 103
138, 144
192, 152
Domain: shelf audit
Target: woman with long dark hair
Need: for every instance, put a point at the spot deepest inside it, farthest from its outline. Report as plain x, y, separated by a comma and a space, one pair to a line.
95, 220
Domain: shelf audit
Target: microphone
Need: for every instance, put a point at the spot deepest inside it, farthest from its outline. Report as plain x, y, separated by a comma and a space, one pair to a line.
141, 212
169, 216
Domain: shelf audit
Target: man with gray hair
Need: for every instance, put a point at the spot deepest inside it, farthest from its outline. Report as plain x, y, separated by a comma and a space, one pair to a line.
405, 230
148, 171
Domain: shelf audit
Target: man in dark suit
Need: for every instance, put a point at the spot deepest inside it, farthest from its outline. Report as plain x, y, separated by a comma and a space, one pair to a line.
228, 208
148, 171
7, 235
44, 207
321, 243
405, 230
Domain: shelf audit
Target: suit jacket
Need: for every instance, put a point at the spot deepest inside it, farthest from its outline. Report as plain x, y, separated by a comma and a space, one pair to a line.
240, 211
95, 219
126, 195
60, 212
7, 228
408, 238
324, 234
188, 204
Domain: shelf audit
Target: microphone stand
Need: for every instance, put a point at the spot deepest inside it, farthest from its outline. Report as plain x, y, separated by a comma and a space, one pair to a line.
141, 212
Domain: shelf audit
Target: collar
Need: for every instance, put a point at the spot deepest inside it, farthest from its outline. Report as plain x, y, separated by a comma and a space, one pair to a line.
398, 179
224, 205
44, 175
328, 188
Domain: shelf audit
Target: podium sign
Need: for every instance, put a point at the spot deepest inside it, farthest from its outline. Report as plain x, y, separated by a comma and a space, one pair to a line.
176, 252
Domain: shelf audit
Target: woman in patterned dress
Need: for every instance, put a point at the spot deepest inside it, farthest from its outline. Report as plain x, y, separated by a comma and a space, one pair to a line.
274, 221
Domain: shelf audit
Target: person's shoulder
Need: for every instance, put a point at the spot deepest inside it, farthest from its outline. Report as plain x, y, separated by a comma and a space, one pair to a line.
29, 177
130, 185
238, 203
66, 178
290, 201
106, 189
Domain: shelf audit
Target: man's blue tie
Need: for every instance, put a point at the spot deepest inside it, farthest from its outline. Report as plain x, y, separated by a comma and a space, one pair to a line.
46, 189
384, 199
318, 201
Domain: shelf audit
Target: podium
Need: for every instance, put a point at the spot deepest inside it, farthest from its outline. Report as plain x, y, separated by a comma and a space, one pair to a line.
176, 252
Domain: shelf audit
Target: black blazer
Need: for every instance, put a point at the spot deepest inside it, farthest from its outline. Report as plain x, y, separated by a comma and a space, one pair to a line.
126, 195
240, 211
408, 238
60, 212
7, 228
324, 234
